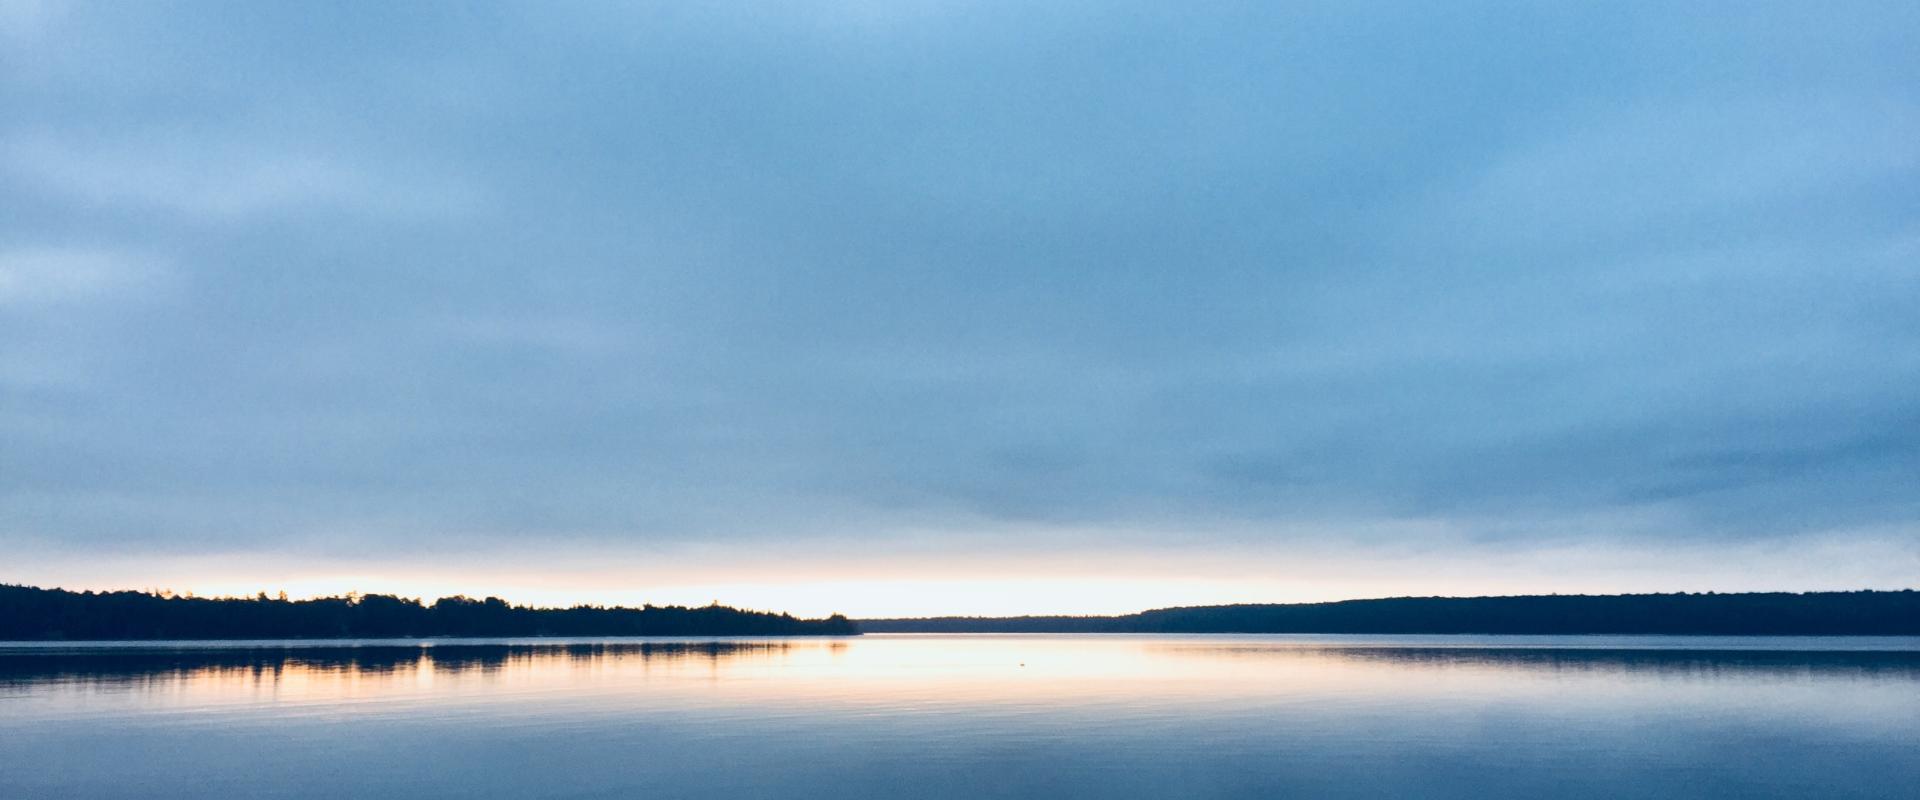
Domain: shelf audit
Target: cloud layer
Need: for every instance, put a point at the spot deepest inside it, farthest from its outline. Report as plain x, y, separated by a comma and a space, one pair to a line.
382, 283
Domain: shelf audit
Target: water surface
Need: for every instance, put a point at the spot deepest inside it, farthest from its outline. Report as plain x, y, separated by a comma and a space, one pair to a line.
965, 716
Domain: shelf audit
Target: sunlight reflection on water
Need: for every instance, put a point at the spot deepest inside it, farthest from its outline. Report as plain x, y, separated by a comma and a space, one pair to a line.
965, 716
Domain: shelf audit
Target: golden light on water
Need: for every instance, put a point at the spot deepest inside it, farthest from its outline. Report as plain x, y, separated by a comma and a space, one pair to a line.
666, 717
902, 670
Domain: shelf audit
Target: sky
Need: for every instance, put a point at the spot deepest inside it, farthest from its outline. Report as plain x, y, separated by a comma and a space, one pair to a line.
902, 308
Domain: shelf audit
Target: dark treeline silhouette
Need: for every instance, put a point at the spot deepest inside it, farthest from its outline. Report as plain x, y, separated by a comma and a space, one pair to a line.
1864, 613
28, 613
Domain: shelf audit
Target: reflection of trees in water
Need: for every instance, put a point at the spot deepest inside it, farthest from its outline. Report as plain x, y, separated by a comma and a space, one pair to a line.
142, 666
492, 658
1700, 663
134, 668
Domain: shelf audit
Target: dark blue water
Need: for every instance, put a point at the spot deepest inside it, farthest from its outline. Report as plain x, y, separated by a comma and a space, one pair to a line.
929, 716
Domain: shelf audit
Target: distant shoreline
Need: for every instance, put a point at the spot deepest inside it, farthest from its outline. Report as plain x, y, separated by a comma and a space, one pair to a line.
34, 614
1861, 613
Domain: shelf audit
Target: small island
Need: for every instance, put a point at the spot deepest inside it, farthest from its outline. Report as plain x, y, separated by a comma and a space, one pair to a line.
34, 614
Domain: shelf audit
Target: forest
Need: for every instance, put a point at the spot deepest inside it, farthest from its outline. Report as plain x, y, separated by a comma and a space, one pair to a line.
1861, 613
30, 613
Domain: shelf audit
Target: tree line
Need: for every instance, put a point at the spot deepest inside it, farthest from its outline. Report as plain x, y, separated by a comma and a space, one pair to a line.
30, 613
1862, 613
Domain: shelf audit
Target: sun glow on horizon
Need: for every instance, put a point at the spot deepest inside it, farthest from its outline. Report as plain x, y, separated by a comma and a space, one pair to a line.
1118, 581
855, 597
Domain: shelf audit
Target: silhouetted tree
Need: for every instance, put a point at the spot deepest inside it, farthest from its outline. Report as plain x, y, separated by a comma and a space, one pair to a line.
1863, 613
28, 613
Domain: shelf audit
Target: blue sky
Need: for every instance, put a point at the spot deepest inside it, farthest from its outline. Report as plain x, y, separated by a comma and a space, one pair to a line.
891, 307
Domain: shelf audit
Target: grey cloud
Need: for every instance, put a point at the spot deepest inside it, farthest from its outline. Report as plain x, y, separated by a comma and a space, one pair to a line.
681, 274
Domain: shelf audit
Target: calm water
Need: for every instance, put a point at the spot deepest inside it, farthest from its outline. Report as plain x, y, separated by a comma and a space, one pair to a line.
931, 716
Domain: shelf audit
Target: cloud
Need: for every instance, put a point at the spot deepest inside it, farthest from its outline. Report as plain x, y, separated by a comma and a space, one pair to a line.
63, 275
980, 281
183, 173
1681, 171
24, 20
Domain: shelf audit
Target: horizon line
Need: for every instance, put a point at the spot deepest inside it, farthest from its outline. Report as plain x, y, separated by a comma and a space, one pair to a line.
425, 599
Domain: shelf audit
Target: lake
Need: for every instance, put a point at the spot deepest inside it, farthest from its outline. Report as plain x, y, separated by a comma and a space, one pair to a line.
966, 716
